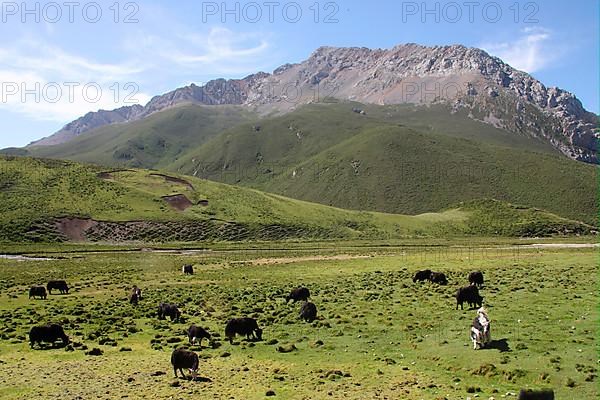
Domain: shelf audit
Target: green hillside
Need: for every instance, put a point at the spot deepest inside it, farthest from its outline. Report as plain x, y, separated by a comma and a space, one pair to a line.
400, 170
47, 200
430, 160
152, 142
395, 159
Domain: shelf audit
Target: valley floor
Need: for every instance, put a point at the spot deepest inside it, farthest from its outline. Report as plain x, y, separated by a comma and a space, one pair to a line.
378, 336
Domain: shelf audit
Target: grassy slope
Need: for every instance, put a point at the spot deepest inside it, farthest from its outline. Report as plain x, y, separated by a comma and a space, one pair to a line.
149, 143
394, 338
38, 190
397, 159
400, 170
294, 137
34, 190
464, 159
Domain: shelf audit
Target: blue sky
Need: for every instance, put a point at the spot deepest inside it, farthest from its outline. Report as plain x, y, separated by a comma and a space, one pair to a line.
59, 61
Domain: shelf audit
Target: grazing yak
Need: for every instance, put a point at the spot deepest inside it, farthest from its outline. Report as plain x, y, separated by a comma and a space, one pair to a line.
422, 275
197, 332
37, 291
308, 312
481, 330
243, 327
168, 310
182, 358
135, 295
61, 286
298, 294
470, 295
439, 278
187, 269
542, 394
48, 334
476, 278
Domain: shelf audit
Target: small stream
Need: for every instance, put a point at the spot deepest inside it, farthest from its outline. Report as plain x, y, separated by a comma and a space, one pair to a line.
24, 258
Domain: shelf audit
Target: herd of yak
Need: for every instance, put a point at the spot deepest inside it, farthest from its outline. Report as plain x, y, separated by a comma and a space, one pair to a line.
182, 358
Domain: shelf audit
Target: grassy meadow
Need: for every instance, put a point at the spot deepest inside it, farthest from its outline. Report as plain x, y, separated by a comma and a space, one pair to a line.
129, 205
378, 335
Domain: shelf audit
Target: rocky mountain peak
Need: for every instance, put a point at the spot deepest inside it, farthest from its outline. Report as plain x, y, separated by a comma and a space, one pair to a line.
463, 77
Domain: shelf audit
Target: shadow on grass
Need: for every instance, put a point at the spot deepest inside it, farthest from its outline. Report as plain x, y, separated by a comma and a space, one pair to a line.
202, 379
500, 345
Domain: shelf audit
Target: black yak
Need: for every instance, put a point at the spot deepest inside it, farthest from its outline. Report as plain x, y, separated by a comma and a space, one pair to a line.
439, 278
197, 332
48, 334
187, 269
168, 310
37, 291
476, 278
308, 312
181, 358
470, 295
298, 294
58, 285
542, 394
422, 275
244, 327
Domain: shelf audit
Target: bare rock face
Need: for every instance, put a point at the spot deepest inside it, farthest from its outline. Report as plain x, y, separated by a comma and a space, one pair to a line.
490, 89
495, 92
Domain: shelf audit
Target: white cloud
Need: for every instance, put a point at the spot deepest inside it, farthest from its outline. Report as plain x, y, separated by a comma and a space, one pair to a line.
218, 51
534, 50
149, 59
46, 83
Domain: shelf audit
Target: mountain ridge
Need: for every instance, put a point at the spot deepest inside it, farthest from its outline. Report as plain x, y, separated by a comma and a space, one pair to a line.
465, 78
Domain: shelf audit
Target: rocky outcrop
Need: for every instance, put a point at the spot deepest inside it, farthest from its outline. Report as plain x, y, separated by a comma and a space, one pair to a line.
464, 77
89, 230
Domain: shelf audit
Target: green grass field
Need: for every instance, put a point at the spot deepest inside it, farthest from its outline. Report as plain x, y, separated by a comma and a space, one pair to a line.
379, 335
128, 206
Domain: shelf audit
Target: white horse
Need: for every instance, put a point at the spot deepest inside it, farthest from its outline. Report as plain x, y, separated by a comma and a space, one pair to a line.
480, 329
